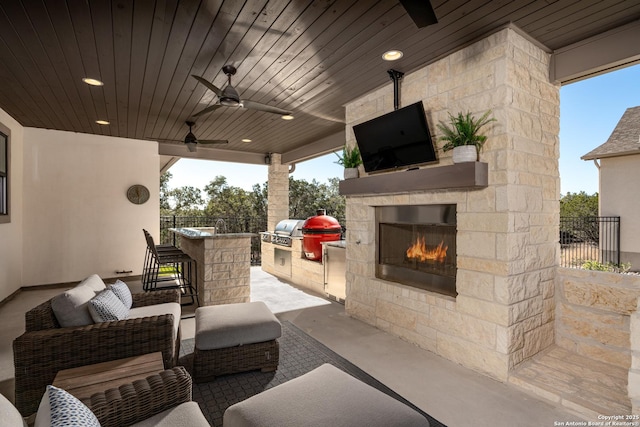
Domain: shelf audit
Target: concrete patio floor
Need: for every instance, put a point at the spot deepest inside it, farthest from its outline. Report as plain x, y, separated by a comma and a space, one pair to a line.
454, 395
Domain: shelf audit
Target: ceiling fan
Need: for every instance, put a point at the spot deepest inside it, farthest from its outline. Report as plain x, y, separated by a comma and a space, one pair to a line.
191, 141
420, 11
228, 97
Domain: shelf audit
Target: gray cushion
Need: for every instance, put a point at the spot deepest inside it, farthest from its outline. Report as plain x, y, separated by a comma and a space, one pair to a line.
185, 415
70, 307
230, 325
323, 397
158, 310
107, 307
94, 282
9, 414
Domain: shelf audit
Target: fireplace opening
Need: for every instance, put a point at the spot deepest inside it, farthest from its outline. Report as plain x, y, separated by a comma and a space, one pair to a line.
416, 246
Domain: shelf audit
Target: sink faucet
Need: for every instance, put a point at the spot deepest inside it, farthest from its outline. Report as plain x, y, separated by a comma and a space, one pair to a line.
223, 227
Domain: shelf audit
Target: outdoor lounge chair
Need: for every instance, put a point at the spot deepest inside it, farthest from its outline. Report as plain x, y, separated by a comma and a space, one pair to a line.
47, 348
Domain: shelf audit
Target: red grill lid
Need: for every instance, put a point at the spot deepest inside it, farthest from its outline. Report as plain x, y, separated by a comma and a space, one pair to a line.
321, 223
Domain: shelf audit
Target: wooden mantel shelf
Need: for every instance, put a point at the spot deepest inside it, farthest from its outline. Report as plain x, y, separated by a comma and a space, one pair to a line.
461, 175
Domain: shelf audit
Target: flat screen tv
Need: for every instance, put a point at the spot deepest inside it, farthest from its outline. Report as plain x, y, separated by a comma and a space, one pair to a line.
395, 140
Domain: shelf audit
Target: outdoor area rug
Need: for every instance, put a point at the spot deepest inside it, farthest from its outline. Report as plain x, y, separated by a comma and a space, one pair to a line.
299, 354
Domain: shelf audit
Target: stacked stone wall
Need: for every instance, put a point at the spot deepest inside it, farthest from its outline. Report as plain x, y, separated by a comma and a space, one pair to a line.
593, 309
507, 232
278, 192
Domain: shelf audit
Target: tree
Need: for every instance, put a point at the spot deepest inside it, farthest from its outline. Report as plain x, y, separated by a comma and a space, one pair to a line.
186, 201
579, 205
305, 198
164, 192
247, 210
226, 201
577, 212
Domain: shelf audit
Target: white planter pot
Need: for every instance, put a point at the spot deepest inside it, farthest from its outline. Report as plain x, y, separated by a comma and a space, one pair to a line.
465, 153
350, 173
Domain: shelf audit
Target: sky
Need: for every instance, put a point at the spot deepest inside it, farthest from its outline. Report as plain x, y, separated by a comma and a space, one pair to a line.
589, 111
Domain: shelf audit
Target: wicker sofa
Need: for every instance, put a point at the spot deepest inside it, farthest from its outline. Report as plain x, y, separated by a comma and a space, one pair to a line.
161, 400
46, 347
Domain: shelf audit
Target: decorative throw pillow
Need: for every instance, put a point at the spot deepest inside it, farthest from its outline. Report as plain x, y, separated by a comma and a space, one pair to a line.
58, 408
94, 282
70, 307
123, 293
106, 307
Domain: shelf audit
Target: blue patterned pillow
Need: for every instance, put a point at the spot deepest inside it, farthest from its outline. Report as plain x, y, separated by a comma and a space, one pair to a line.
122, 292
66, 410
106, 307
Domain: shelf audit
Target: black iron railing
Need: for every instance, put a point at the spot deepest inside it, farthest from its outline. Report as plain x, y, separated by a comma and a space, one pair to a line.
225, 225
589, 238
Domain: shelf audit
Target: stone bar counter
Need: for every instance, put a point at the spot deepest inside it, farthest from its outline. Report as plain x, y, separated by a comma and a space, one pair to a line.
223, 263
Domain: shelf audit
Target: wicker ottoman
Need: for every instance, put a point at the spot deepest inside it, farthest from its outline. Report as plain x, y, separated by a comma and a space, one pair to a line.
234, 338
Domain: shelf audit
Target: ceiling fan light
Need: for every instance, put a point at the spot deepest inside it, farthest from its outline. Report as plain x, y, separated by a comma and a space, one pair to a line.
287, 117
92, 82
392, 55
191, 146
229, 102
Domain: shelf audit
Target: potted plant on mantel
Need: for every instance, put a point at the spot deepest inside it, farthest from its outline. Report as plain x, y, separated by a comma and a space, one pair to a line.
350, 159
463, 136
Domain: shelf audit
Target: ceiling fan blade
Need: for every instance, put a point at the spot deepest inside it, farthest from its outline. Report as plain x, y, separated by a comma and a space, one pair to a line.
208, 84
209, 109
262, 107
213, 141
420, 11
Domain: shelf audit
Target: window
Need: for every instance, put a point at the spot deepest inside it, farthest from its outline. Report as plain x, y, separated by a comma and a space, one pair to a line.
4, 175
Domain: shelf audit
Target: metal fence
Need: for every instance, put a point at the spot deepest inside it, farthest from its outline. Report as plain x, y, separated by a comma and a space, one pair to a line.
228, 225
590, 238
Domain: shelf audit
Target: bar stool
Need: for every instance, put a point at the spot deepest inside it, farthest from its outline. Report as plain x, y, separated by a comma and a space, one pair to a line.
169, 264
149, 274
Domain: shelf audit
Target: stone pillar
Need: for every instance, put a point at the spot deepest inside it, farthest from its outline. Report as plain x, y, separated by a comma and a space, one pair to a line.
507, 241
278, 192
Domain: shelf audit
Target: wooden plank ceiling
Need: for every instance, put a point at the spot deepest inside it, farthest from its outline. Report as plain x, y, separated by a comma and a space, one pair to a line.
309, 57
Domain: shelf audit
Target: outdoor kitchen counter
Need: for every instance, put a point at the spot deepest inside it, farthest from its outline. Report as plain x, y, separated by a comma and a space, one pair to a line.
223, 263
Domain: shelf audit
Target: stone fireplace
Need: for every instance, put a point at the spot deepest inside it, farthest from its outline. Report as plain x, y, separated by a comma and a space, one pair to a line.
500, 310
416, 246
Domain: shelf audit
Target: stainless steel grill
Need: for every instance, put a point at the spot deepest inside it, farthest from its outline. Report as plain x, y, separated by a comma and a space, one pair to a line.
284, 232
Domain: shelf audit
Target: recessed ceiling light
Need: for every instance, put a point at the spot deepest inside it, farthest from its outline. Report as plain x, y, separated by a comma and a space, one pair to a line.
92, 82
287, 117
246, 140
392, 55
102, 122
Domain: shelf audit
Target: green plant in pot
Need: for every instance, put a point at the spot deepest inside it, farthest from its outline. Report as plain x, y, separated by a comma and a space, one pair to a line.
350, 159
462, 135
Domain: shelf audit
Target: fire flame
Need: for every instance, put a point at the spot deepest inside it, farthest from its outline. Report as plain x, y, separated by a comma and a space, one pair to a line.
420, 252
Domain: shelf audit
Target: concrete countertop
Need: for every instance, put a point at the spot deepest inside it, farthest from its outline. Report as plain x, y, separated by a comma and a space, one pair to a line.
336, 243
207, 233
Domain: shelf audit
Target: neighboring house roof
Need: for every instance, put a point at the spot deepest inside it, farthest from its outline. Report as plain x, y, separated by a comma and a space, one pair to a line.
624, 140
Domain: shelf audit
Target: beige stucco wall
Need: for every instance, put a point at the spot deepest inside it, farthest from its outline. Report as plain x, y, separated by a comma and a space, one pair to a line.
507, 233
618, 176
77, 220
11, 233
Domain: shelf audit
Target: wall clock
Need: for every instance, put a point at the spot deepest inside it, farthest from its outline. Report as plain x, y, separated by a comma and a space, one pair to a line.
138, 194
